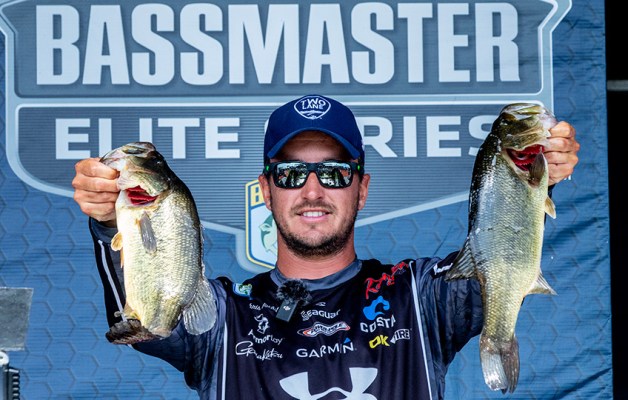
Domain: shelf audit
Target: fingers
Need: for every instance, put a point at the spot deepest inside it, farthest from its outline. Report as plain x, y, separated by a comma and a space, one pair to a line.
561, 152
95, 189
563, 129
92, 167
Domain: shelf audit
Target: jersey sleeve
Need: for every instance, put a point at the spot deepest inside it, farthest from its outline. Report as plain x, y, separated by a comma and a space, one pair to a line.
194, 355
452, 310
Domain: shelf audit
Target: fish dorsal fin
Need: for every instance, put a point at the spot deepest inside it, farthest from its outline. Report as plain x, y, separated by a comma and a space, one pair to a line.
148, 234
464, 264
540, 286
200, 315
550, 208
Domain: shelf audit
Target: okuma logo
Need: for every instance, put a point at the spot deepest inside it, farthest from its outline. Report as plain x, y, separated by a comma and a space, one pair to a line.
312, 107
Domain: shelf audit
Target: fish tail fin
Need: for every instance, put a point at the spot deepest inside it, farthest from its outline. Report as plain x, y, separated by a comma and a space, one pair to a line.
129, 331
200, 315
500, 363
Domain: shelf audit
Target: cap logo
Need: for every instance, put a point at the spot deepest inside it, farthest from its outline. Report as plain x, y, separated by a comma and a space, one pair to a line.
312, 107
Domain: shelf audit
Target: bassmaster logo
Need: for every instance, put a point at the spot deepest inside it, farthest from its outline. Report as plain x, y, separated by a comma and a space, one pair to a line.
425, 79
261, 231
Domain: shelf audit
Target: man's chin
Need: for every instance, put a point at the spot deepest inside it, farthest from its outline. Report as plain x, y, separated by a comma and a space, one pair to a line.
315, 247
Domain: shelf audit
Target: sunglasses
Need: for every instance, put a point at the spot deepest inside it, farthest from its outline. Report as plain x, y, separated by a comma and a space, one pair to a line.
330, 174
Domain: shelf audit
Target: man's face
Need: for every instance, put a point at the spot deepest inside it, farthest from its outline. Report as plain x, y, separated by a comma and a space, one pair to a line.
314, 221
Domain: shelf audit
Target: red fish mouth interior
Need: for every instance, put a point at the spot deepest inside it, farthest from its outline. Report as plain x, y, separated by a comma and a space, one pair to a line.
138, 196
524, 158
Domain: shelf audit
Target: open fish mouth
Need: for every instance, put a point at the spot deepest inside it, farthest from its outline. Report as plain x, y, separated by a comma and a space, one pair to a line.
524, 159
139, 196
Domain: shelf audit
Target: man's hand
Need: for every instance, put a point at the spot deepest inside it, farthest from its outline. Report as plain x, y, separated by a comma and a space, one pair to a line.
562, 152
96, 190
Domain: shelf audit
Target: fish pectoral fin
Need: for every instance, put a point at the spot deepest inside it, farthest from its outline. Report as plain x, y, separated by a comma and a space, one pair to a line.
464, 264
148, 234
550, 208
116, 242
537, 170
200, 315
540, 286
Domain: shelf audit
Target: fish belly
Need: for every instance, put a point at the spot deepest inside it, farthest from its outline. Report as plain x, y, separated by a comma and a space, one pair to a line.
159, 283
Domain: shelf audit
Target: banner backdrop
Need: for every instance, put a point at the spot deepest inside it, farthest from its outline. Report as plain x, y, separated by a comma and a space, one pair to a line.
425, 80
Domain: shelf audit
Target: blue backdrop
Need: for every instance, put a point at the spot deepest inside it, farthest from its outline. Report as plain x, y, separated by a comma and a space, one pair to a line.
565, 340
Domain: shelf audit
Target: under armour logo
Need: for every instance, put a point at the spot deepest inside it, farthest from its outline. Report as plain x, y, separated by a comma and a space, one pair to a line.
297, 385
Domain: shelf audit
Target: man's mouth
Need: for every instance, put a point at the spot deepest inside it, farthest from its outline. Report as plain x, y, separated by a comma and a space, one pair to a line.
312, 214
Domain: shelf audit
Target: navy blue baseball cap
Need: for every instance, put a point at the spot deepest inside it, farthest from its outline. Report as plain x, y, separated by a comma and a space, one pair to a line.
313, 113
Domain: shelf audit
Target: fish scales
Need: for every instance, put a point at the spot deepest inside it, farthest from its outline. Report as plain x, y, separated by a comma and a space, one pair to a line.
160, 239
508, 201
160, 303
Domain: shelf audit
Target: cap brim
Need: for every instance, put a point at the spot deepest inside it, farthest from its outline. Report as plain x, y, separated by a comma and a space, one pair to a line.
355, 154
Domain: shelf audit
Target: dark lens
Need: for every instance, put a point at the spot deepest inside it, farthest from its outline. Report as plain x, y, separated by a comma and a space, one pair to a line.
290, 174
333, 174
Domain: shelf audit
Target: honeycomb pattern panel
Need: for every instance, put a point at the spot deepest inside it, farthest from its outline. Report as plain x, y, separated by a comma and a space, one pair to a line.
565, 340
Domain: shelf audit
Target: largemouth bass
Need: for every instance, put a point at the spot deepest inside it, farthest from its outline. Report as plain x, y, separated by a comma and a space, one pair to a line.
508, 201
160, 239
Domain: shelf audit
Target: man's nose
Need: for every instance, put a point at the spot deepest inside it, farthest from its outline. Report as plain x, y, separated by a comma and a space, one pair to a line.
312, 188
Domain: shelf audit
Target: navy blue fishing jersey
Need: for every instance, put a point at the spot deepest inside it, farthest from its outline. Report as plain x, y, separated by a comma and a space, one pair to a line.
370, 331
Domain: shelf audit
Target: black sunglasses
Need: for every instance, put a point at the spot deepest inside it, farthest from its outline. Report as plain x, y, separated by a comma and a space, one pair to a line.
330, 174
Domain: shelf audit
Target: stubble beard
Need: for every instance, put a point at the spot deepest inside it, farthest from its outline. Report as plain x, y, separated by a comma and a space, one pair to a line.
326, 246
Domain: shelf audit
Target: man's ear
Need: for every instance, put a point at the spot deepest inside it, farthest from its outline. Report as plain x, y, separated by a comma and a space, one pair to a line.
265, 186
363, 191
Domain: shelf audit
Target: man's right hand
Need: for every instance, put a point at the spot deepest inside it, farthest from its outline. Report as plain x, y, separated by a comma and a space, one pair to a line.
96, 190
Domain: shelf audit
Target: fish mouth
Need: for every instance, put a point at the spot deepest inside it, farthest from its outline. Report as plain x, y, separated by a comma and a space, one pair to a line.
139, 197
524, 159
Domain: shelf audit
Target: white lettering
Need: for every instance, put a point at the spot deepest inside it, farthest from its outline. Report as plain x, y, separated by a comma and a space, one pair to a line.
379, 141
213, 138
146, 130
477, 131
206, 67
189, 48
60, 50
105, 34
435, 135
63, 138
415, 14
381, 68
448, 41
505, 43
409, 137
325, 31
155, 67
104, 135
222, 139
244, 20
179, 127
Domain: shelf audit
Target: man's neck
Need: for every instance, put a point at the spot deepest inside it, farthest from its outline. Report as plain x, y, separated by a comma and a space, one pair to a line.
294, 267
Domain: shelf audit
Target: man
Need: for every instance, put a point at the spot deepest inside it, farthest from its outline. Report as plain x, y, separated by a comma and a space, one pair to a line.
323, 322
